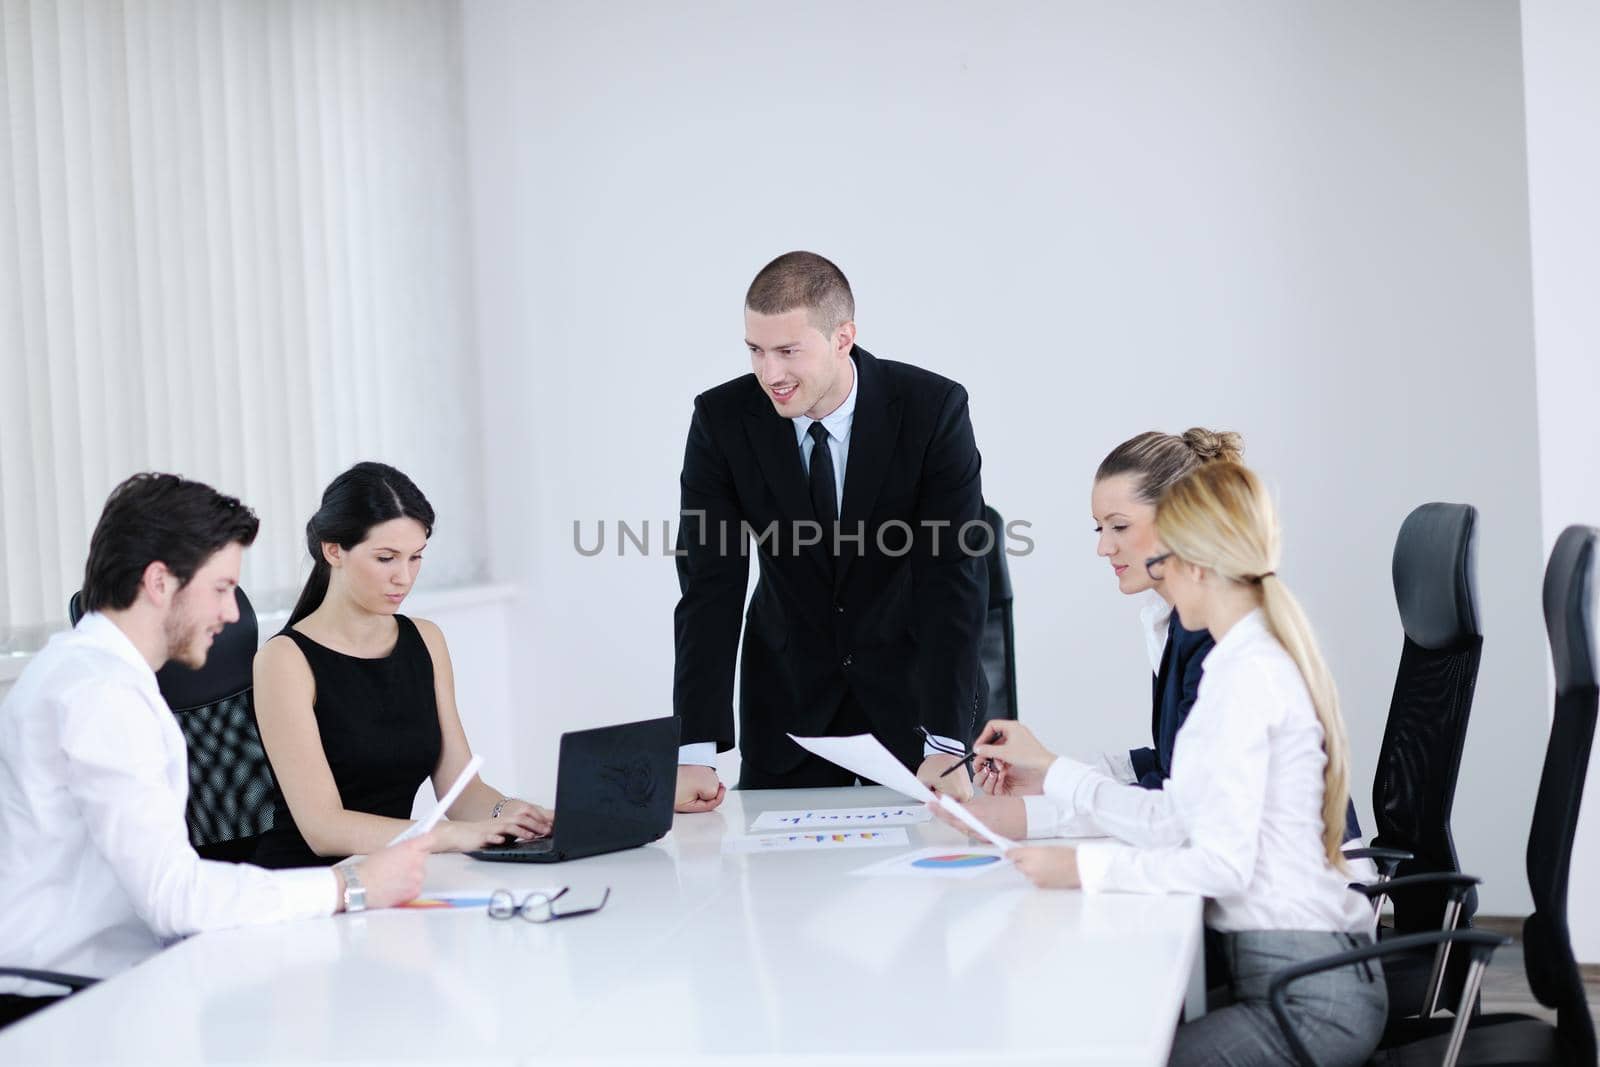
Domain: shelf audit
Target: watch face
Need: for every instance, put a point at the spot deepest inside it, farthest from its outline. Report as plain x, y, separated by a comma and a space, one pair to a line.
355, 894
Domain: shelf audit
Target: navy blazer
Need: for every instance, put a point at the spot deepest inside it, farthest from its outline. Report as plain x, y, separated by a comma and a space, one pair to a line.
1176, 686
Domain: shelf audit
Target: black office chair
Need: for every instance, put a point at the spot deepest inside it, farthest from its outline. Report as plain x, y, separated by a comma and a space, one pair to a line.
69, 983
230, 780
1571, 585
1414, 786
999, 648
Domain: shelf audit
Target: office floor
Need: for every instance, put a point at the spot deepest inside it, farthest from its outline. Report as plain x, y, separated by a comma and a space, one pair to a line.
1505, 984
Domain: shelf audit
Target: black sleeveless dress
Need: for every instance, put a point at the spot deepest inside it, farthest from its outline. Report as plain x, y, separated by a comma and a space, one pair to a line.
380, 731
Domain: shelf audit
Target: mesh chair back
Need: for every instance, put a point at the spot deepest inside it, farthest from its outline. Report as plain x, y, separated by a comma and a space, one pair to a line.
1570, 589
230, 780
998, 650
1415, 783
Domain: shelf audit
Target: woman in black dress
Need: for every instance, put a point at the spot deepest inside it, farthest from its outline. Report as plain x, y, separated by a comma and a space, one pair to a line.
356, 702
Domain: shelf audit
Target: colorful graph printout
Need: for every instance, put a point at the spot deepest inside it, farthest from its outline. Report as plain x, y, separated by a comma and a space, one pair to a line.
942, 862
956, 859
475, 898
459, 899
809, 841
831, 818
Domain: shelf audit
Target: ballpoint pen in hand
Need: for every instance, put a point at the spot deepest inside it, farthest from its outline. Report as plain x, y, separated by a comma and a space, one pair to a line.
936, 743
966, 760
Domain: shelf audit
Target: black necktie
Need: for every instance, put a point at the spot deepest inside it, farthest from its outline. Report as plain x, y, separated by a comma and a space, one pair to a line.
823, 501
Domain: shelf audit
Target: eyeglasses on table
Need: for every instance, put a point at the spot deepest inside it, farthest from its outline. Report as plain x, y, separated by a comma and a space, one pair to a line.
538, 907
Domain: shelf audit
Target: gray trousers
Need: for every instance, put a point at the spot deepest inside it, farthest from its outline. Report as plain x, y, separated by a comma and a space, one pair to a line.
1337, 1015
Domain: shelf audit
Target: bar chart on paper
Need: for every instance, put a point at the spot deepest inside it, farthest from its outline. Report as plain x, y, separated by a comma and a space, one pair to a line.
828, 839
833, 818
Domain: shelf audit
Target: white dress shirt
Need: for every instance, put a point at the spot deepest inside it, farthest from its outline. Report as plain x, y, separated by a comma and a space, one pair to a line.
1240, 820
838, 424
96, 869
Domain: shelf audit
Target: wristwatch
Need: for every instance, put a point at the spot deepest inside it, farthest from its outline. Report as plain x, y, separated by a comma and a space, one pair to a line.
355, 894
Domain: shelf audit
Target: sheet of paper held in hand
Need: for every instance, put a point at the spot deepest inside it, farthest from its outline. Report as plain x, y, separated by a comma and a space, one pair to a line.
429, 821
833, 818
866, 756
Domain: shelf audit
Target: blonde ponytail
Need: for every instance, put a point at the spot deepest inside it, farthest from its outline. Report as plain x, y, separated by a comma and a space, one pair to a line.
1219, 516
1291, 627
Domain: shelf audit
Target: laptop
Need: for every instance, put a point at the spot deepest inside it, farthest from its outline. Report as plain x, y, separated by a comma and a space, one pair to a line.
614, 790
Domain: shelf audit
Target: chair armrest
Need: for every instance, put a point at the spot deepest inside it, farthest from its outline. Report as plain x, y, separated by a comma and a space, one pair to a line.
73, 982
1456, 887
1386, 859
1458, 884
1479, 943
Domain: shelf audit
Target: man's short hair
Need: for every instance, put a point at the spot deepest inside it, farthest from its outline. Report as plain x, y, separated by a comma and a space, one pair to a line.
803, 280
159, 517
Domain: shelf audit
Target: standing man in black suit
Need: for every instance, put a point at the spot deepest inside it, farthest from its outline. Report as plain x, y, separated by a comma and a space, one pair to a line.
856, 481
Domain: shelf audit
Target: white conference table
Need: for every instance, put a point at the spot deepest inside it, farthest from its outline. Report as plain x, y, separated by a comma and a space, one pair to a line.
699, 956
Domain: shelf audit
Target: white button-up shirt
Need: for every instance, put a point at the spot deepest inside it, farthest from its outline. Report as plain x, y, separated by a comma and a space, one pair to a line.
96, 869
1240, 820
838, 423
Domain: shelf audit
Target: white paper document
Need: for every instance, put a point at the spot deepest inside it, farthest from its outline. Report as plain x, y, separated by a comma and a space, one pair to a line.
888, 837
934, 864
866, 756
955, 808
833, 818
428, 822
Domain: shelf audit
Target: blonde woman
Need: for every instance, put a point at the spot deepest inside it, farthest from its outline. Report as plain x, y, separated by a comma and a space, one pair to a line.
1122, 500
1253, 815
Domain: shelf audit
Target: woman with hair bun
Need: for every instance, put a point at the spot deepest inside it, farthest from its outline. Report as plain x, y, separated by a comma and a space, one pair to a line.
356, 702
1128, 485
1252, 817
1130, 482
1123, 496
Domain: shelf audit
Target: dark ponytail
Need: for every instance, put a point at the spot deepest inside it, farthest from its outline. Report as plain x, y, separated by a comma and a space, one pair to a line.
364, 496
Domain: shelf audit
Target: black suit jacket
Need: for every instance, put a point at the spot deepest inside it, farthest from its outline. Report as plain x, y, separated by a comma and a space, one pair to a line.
894, 620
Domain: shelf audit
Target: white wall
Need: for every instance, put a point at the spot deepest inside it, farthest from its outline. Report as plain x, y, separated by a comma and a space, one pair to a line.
1560, 39
1308, 224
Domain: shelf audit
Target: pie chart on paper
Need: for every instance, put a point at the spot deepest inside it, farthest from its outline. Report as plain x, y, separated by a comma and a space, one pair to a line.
956, 861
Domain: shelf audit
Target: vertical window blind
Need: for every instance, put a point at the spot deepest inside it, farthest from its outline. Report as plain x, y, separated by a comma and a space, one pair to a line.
234, 244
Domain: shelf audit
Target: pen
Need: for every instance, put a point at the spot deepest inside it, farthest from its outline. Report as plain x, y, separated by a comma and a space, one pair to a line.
953, 766
938, 745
